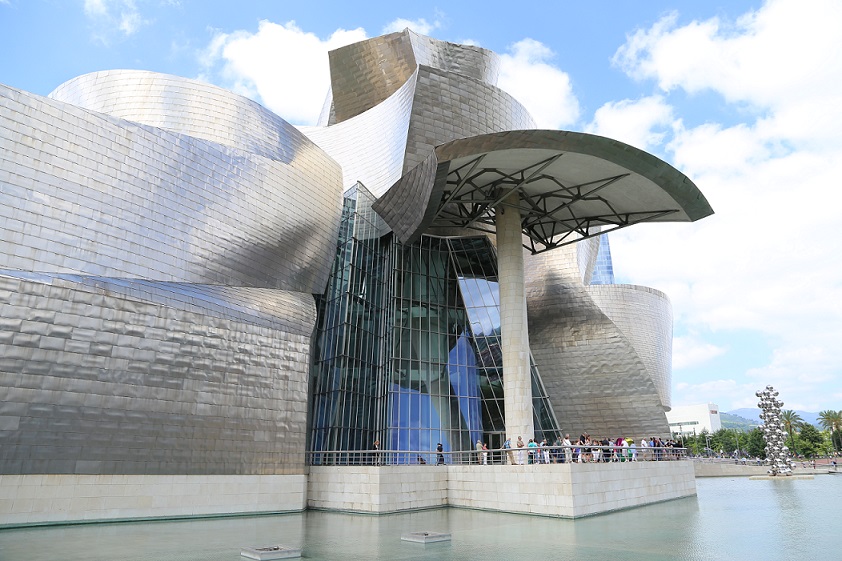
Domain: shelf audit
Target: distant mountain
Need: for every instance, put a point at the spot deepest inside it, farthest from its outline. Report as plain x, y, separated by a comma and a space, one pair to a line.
731, 421
754, 416
747, 413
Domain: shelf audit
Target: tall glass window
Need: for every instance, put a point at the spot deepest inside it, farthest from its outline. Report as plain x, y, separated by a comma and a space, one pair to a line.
408, 346
348, 387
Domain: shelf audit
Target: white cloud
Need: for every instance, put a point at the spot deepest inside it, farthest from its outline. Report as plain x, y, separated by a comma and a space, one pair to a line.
543, 89
713, 391
95, 8
421, 26
771, 57
641, 123
107, 17
294, 87
690, 351
248, 64
767, 260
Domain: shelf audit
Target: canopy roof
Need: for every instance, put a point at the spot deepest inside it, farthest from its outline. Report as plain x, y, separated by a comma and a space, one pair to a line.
571, 186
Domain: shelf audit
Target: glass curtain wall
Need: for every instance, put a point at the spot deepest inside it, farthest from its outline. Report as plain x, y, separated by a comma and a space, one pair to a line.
348, 388
447, 379
408, 344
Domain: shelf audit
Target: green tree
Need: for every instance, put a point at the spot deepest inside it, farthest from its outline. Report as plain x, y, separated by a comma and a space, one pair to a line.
697, 443
832, 420
728, 440
756, 446
720, 441
812, 441
792, 421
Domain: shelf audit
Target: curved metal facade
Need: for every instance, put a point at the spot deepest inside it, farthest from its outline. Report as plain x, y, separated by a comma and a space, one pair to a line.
365, 74
370, 146
185, 106
157, 300
604, 350
164, 238
112, 198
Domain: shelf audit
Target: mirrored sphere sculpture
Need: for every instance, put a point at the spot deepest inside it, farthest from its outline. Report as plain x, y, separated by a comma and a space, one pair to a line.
777, 453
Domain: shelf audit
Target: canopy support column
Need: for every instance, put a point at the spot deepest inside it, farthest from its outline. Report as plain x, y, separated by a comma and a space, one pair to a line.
514, 333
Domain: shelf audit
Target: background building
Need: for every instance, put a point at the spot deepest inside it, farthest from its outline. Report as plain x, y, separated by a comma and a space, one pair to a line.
693, 419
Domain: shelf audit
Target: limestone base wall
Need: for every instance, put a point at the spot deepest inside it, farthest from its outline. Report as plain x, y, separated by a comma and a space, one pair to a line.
563, 490
377, 490
51, 499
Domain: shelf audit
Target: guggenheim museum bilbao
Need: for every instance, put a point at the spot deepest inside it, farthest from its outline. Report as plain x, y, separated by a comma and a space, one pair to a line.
193, 289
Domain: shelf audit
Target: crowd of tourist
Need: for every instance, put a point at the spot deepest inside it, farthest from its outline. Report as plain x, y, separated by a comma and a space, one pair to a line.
589, 450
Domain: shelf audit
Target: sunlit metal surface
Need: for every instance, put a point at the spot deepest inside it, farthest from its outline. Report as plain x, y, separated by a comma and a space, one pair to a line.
157, 286
90, 194
401, 95
604, 351
125, 377
365, 74
188, 107
370, 146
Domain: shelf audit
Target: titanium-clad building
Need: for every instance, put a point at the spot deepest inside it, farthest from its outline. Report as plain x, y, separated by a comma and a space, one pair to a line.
190, 285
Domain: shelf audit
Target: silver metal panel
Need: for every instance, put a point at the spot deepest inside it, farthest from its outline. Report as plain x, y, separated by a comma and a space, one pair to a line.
474, 62
370, 146
90, 194
450, 106
401, 205
185, 106
597, 380
180, 382
644, 316
155, 297
587, 251
366, 73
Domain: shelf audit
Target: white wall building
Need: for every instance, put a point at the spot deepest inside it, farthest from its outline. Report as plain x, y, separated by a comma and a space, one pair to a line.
693, 419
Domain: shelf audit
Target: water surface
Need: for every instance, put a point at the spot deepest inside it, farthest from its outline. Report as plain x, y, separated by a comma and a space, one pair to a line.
731, 518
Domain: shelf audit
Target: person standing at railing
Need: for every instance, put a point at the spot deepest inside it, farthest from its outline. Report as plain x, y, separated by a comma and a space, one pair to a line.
485, 453
521, 453
644, 453
568, 452
531, 449
507, 446
546, 451
479, 451
376, 448
440, 455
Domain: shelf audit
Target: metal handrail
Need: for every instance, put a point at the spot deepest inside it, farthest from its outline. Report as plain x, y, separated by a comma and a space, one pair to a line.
497, 456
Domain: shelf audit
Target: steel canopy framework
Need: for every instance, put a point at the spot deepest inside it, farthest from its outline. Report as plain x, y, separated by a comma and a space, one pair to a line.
570, 185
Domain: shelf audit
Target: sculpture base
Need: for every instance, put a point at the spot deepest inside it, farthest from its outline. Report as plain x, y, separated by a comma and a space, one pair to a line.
425, 537
271, 552
759, 477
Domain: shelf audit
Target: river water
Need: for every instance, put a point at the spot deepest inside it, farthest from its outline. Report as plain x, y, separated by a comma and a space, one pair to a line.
730, 518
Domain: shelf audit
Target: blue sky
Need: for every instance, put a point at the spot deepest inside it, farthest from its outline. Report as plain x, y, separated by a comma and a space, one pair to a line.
742, 96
